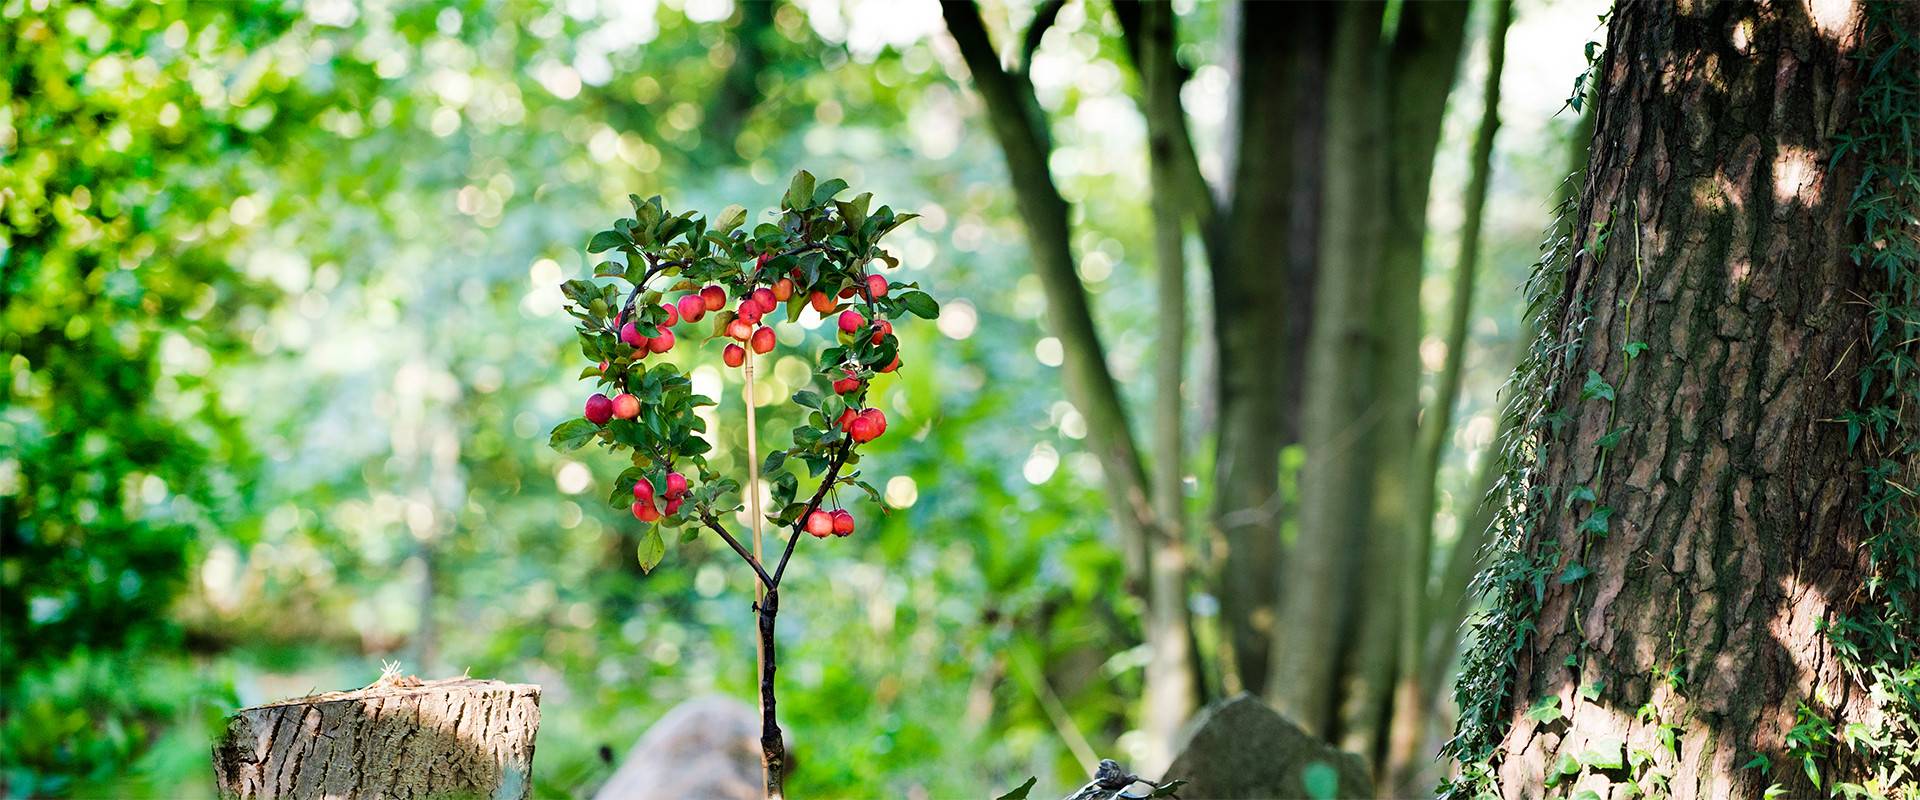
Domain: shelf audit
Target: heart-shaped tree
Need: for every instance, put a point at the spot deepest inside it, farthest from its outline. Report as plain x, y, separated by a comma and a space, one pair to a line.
816, 254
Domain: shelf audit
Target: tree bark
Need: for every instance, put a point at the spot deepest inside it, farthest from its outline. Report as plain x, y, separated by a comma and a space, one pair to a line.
1713, 230
398, 738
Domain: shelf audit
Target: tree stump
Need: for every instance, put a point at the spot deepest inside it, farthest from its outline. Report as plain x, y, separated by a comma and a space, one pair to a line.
399, 738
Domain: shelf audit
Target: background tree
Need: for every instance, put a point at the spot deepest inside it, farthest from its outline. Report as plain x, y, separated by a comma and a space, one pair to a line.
1695, 498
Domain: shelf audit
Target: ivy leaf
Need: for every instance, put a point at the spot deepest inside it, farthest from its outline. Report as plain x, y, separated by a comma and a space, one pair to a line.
1612, 438
570, 435
1019, 792
1597, 523
1634, 349
1596, 387
920, 304
1604, 754
1574, 572
1580, 493
652, 549
1545, 709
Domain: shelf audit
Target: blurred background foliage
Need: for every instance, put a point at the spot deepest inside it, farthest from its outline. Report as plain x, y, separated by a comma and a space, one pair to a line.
283, 338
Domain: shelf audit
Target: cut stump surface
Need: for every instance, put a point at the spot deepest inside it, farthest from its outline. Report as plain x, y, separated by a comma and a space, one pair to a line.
401, 738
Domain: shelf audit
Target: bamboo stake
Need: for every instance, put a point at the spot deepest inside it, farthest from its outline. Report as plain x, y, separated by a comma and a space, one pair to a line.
753, 512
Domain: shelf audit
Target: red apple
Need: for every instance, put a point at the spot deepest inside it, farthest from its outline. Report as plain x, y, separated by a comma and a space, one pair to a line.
846, 384
734, 355
673, 315
892, 365
692, 308
861, 429
882, 329
643, 490
626, 406
763, 297
645, 512
749, 311
842, 522
661, 343
879, 419
876, 286
739, 329
850, 321
820, 524
676, 485
783, 289
763, 340
714, 297
599, 409
630, 334
673, 505
821, 303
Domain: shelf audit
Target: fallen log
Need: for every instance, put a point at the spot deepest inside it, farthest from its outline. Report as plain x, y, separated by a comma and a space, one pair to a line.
399, 738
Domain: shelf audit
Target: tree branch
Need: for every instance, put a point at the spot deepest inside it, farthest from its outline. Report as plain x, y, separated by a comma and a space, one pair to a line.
799, 525
714, 524
1043, 18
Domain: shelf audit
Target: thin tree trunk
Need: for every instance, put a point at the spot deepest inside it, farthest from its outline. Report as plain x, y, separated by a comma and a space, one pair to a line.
1410, 707
1262, 290
1695, 614
1015, 119
1170, 695
1316, 596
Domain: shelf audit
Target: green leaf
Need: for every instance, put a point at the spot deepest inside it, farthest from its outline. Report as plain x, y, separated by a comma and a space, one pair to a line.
570, 435
800, 192
652, 549
1167, 789
1019, 792
1575, 572
605, 240
1634, 349
1545, 709
920, 304
1596, 387
1580, 493
1612, 438
1585, 794
1604, 754
729, 219
807, 398
1598, 523
1322, 780
1592, 690
827, 190
775, 460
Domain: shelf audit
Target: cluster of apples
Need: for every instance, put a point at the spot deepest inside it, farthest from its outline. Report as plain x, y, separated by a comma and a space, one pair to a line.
838, 522
644, 508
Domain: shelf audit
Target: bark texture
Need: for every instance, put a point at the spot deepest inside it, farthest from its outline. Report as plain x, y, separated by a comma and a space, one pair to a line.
1714, 232
397, 739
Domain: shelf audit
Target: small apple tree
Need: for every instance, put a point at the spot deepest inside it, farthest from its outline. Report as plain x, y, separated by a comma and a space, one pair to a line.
816, 254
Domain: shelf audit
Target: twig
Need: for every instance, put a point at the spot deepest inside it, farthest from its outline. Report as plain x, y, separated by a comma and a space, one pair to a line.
799, 525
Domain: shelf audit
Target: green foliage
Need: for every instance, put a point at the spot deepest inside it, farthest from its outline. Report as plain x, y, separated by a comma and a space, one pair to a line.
1519, 564
1879, 640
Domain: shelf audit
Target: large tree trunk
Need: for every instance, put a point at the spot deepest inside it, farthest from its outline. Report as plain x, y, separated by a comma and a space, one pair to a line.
398, 738
1685, 598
